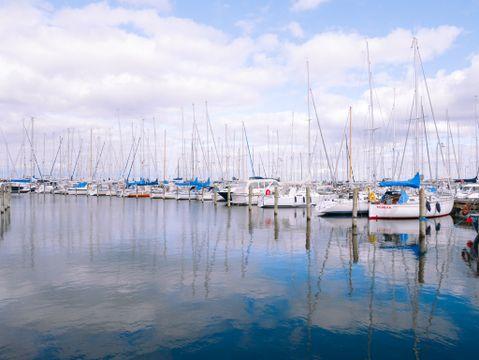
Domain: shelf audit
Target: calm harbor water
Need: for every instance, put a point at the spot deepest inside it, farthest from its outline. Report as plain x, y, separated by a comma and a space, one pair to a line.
85, 277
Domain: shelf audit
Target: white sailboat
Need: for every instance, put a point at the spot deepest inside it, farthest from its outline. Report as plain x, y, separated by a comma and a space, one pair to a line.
396, 203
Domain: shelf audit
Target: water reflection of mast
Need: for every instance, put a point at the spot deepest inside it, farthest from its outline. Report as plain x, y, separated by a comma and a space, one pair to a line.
228, 226
371, 300
321, 272
413, 302
309, 295
444, 270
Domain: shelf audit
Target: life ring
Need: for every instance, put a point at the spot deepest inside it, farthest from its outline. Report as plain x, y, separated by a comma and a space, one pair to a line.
268, 192
438, 207
428, 206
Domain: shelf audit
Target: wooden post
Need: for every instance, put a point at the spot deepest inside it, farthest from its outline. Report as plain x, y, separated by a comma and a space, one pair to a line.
354, 240
276, 198
355, 202
308, 203
202, 194
422, 221
250, 198
308, 235
228, 196
276, 228
215, 196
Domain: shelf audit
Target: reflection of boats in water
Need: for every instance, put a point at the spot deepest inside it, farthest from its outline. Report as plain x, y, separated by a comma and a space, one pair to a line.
344, 222
404, 234
410, 226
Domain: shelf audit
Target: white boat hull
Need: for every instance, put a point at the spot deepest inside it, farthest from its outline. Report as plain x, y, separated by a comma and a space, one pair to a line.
340, 207
410, 210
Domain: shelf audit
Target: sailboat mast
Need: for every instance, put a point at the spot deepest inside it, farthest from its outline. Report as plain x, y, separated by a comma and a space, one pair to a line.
371, 109
475, 132
309, 120
32, 150
350, 172
291, 164
164, 154
416, 108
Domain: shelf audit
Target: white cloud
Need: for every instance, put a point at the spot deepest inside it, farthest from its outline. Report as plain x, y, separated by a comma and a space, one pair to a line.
78, 66
304, 5
295, 29
159, 5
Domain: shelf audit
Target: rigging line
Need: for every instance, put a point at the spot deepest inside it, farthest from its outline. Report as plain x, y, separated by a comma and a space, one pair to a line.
340, 149
33, 152
56, 156
98, 160
220, 163
322, 137
249, 150
76, 161
8, 152
128, 158
453, 146
432, 113
201, 147
427, 142
407, 137
133, 159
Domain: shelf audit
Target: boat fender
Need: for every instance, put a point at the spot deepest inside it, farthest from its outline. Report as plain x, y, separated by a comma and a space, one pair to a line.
428, 206
438, 207
428, 230
438, 226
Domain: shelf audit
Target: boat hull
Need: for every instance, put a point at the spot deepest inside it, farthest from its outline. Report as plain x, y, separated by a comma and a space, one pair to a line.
410, 211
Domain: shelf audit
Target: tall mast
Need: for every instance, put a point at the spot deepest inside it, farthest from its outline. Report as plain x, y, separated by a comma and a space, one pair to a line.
475, 132
292, 144
164, 154
416, 108
371, 109
90, 170
350, 170
309, 120
183, 157
208, 167
155, 140
32, 150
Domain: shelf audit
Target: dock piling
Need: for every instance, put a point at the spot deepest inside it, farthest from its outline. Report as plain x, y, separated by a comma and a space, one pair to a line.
276, 198
308, 203
250, 198
355, 202
228, 196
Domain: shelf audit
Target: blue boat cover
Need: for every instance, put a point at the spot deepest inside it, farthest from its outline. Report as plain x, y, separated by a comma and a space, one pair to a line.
415, 182
403, 198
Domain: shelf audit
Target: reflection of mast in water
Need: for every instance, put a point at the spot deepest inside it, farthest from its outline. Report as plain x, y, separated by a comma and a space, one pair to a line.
227, 237
164, 230
444, 270
371, 300
210, 265
309, 294
207, 265
414, 303
321, 272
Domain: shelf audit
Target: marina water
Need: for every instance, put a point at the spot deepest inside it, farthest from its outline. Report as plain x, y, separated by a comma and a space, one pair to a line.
88, 277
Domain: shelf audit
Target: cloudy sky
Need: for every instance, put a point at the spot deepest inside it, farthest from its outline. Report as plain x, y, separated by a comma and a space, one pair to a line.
86, 64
